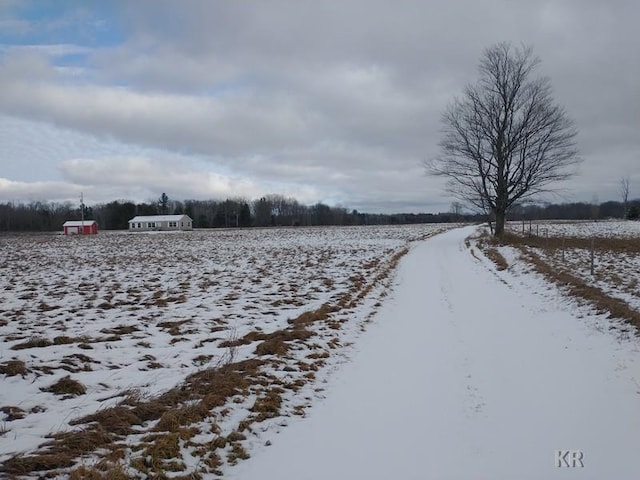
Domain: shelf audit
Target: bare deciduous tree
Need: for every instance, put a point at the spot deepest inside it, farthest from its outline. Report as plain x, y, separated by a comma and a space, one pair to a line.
624, 193
505, 139
456, 208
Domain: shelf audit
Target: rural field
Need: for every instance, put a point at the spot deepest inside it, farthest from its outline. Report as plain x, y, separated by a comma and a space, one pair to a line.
482, 363
600, 261
172, 353
349, 352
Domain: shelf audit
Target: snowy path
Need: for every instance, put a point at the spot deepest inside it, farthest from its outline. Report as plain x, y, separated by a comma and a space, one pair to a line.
468, 374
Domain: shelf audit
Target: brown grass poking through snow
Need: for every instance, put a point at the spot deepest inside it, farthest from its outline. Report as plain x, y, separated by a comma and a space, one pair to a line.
175, 410
173, 328
26, 464
79, 442
13, 367
68, 387
577, 287
12, 413
268, 405
238, 452
488, 245
111, 472
117, 421
120, 330
278, 342
161, 450
34, 342
307, 318
64, 340
625, 245
168, 425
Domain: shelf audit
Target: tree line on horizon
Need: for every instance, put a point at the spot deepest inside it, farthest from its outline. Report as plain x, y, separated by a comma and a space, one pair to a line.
277, 211
267, 211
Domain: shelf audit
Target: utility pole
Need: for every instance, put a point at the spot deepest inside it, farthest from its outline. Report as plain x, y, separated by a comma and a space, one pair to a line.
81, 214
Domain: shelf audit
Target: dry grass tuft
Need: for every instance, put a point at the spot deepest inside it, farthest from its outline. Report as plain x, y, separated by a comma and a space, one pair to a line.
307, 318
489, 245
116, 420
202, 359
67, 386
234, 436
163, 447
45, 307
218, 384
25, 464
268, 406
172, 420
65, 340
496, 257
79, 442
33, 342
278, 342
173, 328
237, 453
274, 343
112, 472
120, 330
13, 413
12, 368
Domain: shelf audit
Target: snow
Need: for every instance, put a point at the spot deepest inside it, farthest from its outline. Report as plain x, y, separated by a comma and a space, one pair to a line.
616, 270
78, 223
468, 372
456, 371
112, 295
580, 228
157, 218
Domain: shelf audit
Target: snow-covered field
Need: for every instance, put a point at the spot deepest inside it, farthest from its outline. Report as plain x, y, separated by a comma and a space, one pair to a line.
446, 368
579, 228
469, 372
132, 315
616, 254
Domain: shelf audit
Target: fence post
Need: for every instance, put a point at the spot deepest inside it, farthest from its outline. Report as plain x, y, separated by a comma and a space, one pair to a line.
563, 248
592, 257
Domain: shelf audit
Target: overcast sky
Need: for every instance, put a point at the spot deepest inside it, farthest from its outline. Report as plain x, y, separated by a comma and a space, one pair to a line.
336, 101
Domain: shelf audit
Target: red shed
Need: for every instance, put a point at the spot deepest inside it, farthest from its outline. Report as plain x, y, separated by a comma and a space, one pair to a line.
78, 227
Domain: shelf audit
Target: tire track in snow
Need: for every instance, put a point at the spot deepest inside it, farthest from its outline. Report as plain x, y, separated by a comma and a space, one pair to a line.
474, 399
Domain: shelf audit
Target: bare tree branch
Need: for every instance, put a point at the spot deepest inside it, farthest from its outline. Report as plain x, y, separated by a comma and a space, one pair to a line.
505, 139
624, 193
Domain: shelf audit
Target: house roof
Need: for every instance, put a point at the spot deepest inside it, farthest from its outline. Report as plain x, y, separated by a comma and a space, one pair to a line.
78, 223
159, 218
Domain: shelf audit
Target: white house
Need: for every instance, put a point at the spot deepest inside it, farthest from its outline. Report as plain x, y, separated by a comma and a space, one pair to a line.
160, 222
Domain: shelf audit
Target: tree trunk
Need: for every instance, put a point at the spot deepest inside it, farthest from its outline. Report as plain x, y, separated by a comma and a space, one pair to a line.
490, 220
500, 217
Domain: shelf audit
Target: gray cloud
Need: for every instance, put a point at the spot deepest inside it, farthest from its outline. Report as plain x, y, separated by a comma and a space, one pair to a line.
329, 100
